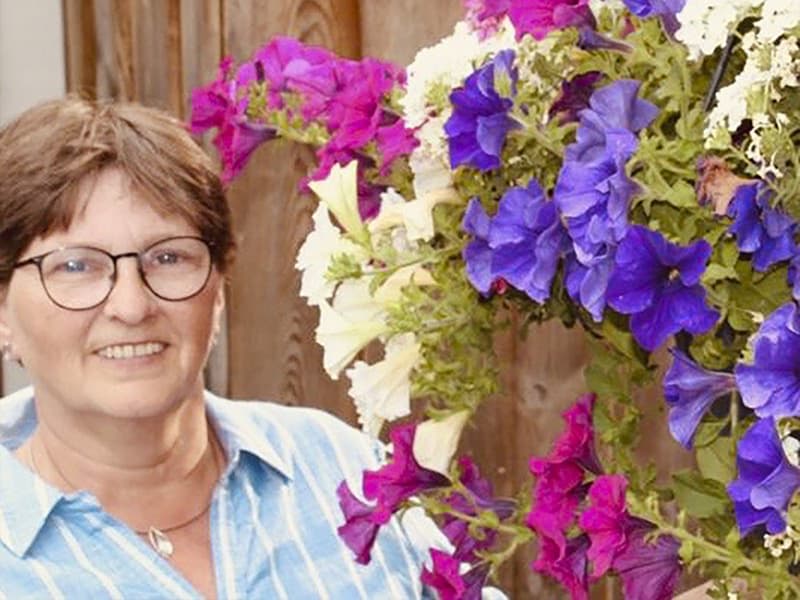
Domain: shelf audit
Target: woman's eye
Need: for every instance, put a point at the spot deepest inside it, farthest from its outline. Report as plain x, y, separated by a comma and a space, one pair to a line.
72, 266
167, 258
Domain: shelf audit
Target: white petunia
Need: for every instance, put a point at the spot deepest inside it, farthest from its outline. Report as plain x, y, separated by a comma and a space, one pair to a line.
347, 326
435, 442
382, 391
314, 257
392, 288
339, 192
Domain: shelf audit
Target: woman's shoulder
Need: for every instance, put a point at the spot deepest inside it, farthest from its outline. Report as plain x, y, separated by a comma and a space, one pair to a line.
297, 429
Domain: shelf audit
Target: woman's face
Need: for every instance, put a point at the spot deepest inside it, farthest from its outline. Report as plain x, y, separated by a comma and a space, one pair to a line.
68, 354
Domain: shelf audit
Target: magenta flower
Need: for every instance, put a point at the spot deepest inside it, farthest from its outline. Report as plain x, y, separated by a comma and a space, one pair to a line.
605, 521
559, 487
767, 480
445, 577
485, 16
403, 477
540, 17
650, 570
569, 567
359, 530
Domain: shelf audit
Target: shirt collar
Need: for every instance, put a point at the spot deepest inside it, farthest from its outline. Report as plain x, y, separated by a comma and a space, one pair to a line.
26, 501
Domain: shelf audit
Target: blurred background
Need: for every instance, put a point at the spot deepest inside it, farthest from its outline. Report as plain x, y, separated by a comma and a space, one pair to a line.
156, 52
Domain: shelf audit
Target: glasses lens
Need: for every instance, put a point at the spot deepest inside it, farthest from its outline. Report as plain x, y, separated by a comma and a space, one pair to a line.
177, 268
77, 277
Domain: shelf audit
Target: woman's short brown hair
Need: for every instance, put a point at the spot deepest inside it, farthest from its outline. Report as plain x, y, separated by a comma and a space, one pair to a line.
50, 150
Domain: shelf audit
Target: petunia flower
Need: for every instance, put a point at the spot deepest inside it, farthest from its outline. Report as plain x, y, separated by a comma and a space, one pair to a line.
767, 480
478, 497
574, 97
527, 240
382, 391
771, 384
689, 391
666, 9
604, 521
658, 284
338, 191
766, 232
347, 326
359, 529
559, 487
436, 441
611, 108
486, 16
568, 566
477, 253
540, 17
321, 245
401, 478
477, 129
416, 216
649, 568
444, 577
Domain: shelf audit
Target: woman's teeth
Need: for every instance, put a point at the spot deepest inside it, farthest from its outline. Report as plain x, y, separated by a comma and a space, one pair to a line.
131, 350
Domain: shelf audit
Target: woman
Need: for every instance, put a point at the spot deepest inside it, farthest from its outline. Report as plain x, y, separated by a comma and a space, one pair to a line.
119, 476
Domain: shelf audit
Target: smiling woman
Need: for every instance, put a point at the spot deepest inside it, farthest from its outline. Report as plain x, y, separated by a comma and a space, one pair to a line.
120, 476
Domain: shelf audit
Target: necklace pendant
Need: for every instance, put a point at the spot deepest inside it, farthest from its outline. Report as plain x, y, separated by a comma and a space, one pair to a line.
160, 542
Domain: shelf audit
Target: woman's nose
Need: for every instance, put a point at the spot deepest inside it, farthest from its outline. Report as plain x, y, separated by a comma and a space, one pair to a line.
130, 300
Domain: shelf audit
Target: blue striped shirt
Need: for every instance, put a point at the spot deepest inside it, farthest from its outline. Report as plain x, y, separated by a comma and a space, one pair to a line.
273, 516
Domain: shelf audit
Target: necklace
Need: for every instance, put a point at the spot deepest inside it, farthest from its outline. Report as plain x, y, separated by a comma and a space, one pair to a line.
157, 537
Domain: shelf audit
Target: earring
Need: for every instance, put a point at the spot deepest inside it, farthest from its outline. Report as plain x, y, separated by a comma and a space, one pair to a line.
7, 351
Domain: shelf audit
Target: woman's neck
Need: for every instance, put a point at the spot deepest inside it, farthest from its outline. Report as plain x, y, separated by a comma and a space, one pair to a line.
151, 472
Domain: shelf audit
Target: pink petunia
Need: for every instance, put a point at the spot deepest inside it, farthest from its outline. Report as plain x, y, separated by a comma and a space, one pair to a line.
540, 17
605, 521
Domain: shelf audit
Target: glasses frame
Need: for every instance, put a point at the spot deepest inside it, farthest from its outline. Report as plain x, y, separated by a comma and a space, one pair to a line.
39, 258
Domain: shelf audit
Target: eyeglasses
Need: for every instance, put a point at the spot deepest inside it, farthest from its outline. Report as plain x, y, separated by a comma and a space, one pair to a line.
81, 278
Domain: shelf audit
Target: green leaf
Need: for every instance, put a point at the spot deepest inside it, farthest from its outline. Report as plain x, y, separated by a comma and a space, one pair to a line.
700, 497
717, 460
708, 431
716, 272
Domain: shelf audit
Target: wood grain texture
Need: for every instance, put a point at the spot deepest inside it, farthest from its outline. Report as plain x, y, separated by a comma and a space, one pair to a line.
272, 352
80, 47
201, 45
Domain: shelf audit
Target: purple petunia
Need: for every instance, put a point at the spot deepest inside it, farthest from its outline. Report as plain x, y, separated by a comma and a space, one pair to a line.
477, 129
658, 284
649, 569
767, 480
527, 240
666, 9
689, 390
574, 96
613, 107
479, 497
764, 231
477, 254
771, 384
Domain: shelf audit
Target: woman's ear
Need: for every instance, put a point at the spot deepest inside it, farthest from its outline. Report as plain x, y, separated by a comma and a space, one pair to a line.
219, 311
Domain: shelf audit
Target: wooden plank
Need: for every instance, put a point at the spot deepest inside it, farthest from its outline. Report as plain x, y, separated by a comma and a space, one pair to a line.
80, 47
272, 352
201, 45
